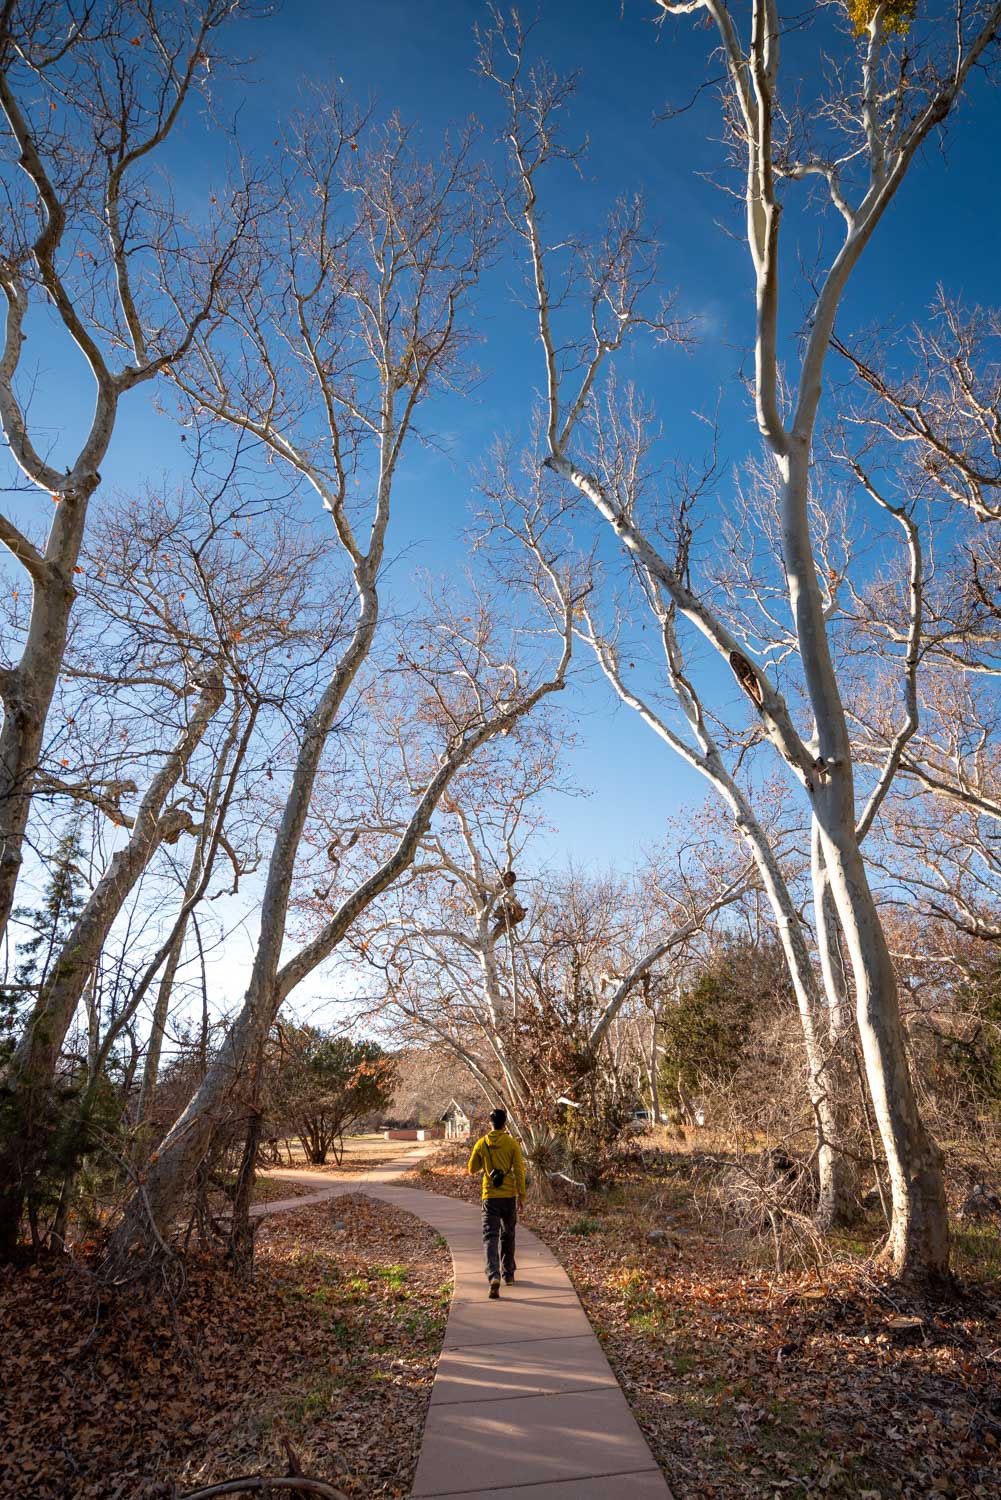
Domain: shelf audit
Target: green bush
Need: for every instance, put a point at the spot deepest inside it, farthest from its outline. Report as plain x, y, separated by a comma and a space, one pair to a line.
324, 1084
704, 1034
49, 1134
585, 1226
975, 1056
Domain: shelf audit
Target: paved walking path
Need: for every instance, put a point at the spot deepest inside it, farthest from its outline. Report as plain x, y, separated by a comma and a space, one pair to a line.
524, 1402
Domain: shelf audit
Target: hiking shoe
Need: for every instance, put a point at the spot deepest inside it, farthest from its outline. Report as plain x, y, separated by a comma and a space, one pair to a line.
495, 1289
509, 1281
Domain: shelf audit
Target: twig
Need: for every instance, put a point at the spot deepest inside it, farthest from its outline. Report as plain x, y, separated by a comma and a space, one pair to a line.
293, 1480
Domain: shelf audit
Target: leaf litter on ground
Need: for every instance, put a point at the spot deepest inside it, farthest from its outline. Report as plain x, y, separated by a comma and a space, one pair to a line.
332, 1346
826, 1383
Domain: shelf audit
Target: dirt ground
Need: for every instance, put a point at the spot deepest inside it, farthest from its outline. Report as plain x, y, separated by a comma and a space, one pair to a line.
360, 1153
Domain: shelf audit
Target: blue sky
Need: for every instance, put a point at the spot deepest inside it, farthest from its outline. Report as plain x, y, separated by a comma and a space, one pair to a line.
945, 227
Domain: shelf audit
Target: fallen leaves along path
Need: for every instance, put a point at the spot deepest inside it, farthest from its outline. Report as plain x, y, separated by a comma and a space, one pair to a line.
332, 1346
524, 1401
749, 1384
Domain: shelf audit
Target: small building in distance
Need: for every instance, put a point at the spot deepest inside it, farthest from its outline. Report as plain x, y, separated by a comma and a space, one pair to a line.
458, 1124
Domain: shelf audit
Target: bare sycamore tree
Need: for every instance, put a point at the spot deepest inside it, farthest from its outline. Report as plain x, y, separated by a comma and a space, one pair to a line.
158, 818
747, 574
90, 93
373, 252
532, 516
475, 945
173, 580
233, 1078
188, 608
887, 113
614, 280
860, 144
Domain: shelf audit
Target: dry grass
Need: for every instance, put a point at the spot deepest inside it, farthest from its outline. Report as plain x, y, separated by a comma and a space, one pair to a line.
360, 1153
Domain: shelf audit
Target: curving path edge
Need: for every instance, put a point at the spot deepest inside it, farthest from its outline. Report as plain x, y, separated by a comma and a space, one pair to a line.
524, 1404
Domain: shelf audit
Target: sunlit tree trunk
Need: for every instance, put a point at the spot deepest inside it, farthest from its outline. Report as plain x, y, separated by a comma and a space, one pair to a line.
31, 1071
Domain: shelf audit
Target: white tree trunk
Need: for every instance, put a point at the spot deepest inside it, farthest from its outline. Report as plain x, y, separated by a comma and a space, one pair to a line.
27, 689
152, 88
32, 1068
918, 1243
653, 1065
839, 1023
35, 1056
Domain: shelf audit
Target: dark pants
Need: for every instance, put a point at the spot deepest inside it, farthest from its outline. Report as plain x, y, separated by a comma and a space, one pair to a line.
500, 1215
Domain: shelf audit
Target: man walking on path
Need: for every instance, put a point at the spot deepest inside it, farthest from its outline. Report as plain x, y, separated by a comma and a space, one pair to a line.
498, 1156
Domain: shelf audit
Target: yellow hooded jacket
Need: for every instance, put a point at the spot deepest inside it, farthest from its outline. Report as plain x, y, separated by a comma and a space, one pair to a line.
499, 1149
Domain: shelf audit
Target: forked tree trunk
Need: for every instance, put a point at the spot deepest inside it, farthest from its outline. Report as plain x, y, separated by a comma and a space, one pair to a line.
837, 1201
918, 1243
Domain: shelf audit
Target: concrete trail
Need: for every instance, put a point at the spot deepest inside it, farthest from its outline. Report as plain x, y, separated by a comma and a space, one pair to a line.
524, 1402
